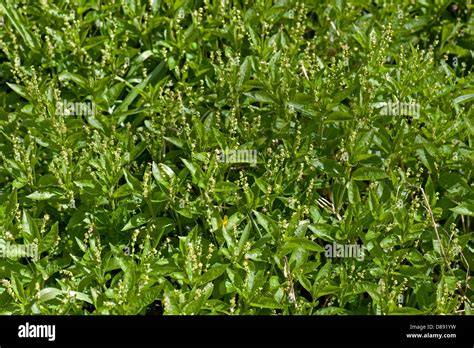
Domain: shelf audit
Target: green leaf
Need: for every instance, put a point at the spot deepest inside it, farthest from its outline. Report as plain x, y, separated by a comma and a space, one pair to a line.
268, 225
293, 243
330, 311
227, 187
266, 302
48, 294
260, 96
84, 184
243, 239
123, 191
369, 173
162, 173
373, 290
179, 143
79, 80
42, 195
192, 168
20, 25
50, 238
150, 79
464, 98
81, 245
244, 72
30, 229
323, 231
149, 296
134, 183
235, 220
171, 63
465, 208
17, 287
21, 91
427, 159
213, 273
338, 116
136, 221
389, 241
81, 296
405, 311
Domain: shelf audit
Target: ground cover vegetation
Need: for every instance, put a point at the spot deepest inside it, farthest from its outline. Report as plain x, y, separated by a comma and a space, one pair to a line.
236, 157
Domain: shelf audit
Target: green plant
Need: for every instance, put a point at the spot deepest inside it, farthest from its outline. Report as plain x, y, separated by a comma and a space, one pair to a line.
132, 208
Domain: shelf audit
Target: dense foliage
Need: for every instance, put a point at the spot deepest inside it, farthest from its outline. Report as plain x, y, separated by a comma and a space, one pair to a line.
114, 119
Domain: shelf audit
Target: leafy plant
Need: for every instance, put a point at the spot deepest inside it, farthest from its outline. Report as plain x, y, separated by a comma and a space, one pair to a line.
114, 117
